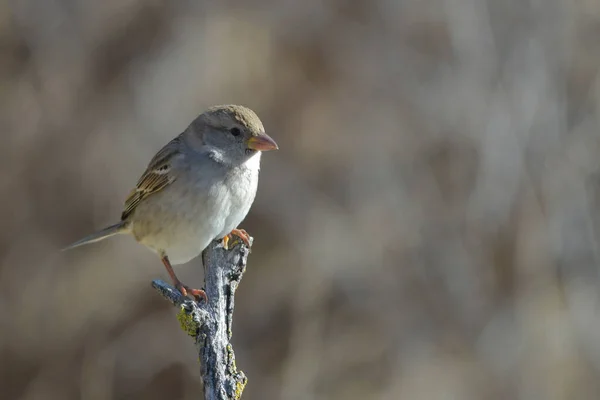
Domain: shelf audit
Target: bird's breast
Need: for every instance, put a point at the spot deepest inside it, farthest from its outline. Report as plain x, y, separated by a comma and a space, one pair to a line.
195, 209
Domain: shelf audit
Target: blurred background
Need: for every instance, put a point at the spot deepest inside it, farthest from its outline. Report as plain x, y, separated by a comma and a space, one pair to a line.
427, 230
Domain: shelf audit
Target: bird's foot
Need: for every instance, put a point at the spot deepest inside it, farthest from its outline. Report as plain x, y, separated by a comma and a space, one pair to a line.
197, 294
240, 233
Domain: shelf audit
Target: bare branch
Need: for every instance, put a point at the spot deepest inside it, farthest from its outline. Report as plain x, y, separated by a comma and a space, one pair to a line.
211, 324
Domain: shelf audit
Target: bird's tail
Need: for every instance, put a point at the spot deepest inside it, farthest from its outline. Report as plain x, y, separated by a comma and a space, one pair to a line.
109, 231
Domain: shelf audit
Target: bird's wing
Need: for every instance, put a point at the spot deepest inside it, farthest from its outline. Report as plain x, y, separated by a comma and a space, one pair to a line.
158, 175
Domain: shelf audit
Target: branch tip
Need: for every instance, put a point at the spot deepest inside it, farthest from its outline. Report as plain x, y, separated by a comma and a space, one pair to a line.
210, 324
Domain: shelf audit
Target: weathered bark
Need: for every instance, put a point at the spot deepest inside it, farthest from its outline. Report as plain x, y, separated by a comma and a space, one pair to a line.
211, 324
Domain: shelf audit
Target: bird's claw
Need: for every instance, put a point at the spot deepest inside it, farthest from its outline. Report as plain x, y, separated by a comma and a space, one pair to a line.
240, 233
186, 291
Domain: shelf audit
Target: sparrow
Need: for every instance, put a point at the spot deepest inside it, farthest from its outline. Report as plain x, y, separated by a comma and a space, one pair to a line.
198, 188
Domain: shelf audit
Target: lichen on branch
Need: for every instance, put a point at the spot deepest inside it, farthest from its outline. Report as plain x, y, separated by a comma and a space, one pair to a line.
210, 324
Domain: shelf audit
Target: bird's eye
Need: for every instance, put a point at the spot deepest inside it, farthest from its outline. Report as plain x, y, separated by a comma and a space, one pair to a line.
235, 131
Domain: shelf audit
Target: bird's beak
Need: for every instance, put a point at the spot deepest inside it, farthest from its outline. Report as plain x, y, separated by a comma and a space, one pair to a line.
262, 142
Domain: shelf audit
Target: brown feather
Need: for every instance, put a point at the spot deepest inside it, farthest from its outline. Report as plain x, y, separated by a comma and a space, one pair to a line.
157, 176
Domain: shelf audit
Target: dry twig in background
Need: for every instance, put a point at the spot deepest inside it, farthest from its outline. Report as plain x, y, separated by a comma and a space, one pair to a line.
210, 324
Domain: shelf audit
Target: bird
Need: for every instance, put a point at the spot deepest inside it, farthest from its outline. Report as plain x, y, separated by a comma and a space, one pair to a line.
197, 188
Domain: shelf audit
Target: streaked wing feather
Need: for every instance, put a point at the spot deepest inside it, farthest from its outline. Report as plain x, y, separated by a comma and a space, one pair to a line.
157, 176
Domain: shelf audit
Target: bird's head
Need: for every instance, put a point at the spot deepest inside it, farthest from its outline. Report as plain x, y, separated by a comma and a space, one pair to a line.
234, 133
